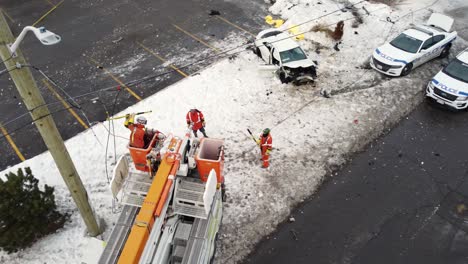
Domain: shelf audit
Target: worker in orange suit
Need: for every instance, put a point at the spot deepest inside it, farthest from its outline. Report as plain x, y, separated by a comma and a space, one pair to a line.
265, 142
139, 136
195, 119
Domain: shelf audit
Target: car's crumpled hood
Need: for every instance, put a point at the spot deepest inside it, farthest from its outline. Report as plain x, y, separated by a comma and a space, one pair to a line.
301, 63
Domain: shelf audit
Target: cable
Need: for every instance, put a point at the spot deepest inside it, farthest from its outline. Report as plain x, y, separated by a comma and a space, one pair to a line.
224, 53
34, 120
71, 101
150, 77
9, 58
108, 135
5, 71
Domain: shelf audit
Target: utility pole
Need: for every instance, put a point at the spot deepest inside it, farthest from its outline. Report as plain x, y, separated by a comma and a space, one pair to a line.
39, 111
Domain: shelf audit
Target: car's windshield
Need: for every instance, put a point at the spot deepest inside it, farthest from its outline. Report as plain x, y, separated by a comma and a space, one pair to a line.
458, 70
292, 55
406, 43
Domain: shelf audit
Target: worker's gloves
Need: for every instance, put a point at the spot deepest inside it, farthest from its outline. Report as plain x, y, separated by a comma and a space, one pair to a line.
203, 123
258, 141
129, 119
267, 152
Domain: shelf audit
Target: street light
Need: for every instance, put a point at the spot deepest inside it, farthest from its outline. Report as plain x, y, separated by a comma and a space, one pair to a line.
43, 35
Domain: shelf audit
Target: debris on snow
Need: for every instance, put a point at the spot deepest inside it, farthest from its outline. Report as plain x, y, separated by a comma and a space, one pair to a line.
214, 13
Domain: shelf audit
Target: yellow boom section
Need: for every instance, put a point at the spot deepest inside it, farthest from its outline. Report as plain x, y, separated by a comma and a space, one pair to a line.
144, 221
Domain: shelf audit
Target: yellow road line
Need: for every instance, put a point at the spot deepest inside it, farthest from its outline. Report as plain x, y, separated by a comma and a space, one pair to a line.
67, 106
116, 79
12, 143
48, 12
163, 60
234, 25
6, 14
196, 38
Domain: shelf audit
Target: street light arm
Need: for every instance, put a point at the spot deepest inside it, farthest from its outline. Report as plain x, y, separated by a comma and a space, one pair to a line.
44, 36
20, 38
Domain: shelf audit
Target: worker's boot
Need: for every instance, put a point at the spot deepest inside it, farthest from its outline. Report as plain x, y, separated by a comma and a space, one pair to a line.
266, 163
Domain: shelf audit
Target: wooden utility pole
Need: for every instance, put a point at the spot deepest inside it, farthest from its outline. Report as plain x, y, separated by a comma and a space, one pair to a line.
39, 111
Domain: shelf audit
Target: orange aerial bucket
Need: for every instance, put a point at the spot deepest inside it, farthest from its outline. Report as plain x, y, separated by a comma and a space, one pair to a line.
139, 154
210, 156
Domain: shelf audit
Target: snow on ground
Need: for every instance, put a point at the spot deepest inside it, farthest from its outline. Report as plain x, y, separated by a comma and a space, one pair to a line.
312, 135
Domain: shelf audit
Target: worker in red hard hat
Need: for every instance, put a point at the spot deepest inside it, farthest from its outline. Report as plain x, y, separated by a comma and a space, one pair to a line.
265, 142
139, 136
195, 119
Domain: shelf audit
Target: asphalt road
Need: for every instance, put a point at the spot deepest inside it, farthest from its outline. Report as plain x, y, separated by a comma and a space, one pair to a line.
403, 200
108, 32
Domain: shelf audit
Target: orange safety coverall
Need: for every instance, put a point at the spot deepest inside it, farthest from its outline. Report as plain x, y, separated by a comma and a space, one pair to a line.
265, 147
196, 118
137, 135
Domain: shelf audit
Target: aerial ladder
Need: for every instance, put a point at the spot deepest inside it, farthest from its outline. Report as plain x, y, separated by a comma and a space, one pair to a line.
172, 194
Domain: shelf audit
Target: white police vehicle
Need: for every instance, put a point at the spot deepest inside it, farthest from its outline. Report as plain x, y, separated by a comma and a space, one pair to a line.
415, 46
277, 48
450, 85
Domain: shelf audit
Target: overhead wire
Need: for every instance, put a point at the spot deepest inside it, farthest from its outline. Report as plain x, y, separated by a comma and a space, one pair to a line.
70, 100
222, 54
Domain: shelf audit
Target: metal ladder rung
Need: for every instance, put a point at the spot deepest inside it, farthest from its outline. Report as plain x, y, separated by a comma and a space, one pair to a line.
192, 186
190, 210
137, 176
133, 199
137, 188
188, 196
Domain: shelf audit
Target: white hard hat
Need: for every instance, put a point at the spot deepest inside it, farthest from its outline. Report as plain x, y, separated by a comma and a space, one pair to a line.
141, 120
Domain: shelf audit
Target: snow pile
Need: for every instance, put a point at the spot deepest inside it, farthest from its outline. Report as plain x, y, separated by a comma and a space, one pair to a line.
312, 135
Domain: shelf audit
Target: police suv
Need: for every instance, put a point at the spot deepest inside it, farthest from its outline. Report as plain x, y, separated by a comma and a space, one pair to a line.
415, 46
450, 85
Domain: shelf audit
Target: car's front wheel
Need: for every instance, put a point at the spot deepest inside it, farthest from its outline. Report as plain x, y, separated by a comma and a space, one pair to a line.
283, 77
445, 52
256, 51
407, 69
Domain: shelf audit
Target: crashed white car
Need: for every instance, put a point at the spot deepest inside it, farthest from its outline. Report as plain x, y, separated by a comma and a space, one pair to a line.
277, 48
450, 86
415, 46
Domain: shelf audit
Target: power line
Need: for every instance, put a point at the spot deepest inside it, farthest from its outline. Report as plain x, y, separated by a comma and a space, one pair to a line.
222, 54
37, 119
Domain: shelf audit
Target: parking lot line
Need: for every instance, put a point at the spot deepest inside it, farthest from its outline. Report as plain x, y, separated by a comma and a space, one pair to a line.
115, 79
7, 15
196, 38
48, 12
12, 143
234, 25
64, 103
162, 60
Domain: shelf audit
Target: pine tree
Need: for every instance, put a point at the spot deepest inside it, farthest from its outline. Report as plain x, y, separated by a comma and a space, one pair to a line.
26, 212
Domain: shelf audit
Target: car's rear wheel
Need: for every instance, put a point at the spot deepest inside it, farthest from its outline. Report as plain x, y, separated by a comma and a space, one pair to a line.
445, 52
407, 69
